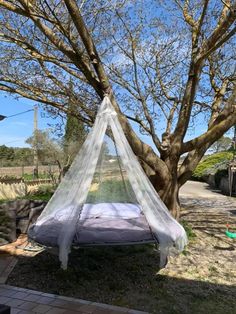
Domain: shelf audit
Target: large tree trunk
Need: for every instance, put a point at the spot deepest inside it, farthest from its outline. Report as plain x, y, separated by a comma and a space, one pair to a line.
171, 198
168, 191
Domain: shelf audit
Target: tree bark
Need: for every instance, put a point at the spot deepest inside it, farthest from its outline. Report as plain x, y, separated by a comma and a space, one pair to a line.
168, 192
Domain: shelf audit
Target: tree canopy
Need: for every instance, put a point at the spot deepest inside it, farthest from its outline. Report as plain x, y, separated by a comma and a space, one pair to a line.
15, 156
223, 144
165, 66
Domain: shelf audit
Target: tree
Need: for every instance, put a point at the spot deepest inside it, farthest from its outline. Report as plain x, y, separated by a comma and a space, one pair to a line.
74, 136
6, 155
74, 133
223, 144
22, 157
169, 64
49, 150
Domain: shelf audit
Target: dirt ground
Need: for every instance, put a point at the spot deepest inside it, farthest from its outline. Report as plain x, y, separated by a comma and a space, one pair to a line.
202, 279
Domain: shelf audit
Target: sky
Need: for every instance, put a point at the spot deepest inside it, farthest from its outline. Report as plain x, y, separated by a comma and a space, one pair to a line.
14, 131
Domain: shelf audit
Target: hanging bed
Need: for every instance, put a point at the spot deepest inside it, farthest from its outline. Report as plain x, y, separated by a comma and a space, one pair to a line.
98, 224
70, 219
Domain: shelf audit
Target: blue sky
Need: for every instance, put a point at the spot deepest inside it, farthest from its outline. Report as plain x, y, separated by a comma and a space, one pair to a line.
14, 131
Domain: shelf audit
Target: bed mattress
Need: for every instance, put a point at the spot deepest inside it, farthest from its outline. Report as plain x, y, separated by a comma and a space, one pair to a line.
99, 224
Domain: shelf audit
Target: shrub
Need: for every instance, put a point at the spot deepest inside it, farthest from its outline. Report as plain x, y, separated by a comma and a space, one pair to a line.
188, 229
4, 219
43, 193
212, 164
29, 176
46, 189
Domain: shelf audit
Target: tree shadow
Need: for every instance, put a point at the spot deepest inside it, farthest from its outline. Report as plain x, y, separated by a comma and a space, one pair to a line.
211, 222
123, 276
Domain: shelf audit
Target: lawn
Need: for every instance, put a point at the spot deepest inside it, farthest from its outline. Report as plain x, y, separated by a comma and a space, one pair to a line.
124, 276
202, 279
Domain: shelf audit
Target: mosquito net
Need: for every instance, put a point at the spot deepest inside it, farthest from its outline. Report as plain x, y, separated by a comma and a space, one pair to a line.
106, 198
110, 182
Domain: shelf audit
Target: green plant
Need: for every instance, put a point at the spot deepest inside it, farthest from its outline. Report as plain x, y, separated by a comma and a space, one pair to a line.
45, 189
189, 231
43, 193
29, 176
4, 219
211, 164
112, 191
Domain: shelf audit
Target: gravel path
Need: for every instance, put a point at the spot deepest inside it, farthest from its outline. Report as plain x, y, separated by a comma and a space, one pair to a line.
210, 257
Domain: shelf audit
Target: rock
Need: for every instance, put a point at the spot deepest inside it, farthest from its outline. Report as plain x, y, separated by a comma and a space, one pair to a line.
7, 225
224, 186
18, 215
211, 180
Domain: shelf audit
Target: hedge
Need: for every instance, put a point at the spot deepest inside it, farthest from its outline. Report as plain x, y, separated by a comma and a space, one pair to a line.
212, 164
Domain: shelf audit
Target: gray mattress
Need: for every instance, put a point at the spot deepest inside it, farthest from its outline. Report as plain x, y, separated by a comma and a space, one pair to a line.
114, 223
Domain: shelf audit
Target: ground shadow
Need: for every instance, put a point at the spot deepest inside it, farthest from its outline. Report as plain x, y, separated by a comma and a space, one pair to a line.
211, 222
124, 276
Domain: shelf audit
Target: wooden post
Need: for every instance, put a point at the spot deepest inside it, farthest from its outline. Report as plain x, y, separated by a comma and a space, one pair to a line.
35, 146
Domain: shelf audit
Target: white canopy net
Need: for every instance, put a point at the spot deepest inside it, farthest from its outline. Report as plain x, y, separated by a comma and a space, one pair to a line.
106, 198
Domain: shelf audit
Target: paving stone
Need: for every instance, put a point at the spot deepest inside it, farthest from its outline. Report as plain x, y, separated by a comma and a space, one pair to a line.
115, 312
72, 312
74, 300
25, 301
110, 307
56, 310
74, 306
49, 295
14, 288
4, 300
137, 312
15, 310
42, 308
14, 302
28, 306
2, 290
102, 311
7, 292
32, 297
19, 295
45, 300
87, 308
34, 292
61, 303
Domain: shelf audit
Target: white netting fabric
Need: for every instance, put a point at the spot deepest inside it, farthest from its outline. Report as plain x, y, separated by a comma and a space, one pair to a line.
106, 173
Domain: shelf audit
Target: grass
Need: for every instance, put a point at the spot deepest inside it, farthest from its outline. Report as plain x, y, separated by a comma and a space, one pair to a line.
112, 191
124, 276
188, 229
4, 219
130, 277
44, 193
29, 176
34, 197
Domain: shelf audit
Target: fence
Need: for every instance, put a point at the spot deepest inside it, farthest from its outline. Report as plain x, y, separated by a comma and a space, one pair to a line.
21, 171
13, 188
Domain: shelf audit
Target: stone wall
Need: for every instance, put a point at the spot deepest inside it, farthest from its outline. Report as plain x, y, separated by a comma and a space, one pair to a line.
17, 216
224, 186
